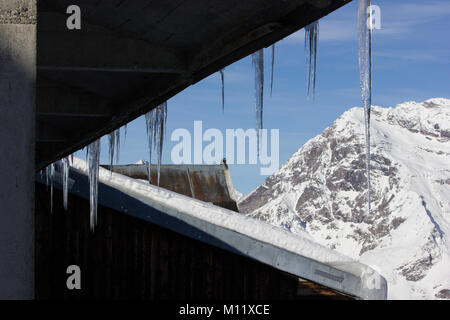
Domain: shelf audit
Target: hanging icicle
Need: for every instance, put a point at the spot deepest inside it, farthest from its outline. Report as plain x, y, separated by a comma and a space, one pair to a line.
124, 133
222, 77
47, 176
114, 147
149, 122
271, 73
311, 36
258, 64
155, 121
117, 151
161, 118
65, 182
93, 153
365, 74
111, 145
52, 175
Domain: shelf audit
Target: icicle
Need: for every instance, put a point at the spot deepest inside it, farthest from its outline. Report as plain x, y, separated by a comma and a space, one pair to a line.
271, 73
258, 64
117, 151
222, 76
124, 133
156, 126
93, 151
114, 147
311, 36
111, 145
52, 175
161, 118
47, 176
365, 74
65, 177
149, 122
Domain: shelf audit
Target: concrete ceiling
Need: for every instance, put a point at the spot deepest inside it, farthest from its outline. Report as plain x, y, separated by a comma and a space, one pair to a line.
132, 55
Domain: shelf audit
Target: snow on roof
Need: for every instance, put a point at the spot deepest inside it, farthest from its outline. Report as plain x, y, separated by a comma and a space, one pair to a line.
169, 202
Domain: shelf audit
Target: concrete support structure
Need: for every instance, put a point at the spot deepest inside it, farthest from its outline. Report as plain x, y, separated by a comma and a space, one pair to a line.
17, 147
129, 56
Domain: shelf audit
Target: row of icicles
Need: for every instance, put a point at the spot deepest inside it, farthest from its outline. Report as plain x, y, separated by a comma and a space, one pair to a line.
155, 124
156, 118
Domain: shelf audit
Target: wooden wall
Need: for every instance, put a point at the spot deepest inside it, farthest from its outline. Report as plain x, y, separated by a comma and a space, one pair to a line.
128, 258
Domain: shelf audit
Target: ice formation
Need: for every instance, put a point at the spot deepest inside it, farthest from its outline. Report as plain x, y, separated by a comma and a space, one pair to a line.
93, 153
65, 182
365, 75
124, 133
114, 146
222, 76
47, 176
258, 64
156, 126
149, 122
273, 65
52, 175
311, 36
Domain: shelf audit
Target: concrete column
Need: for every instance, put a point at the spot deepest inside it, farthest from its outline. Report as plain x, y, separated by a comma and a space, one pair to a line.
17, 132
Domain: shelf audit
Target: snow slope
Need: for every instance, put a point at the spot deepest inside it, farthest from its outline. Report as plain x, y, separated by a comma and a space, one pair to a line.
322, 190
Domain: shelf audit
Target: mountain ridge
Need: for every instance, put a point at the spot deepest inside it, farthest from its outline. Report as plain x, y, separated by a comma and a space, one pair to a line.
321, 191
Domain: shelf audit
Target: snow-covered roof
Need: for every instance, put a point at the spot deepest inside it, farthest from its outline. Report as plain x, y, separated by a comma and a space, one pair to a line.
232, 231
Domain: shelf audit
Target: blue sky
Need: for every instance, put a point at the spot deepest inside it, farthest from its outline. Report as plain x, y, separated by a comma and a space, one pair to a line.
411, 61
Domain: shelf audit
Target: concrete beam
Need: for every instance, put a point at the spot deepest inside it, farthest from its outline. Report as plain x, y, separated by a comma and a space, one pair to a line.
105, 56
59, 127
95, 48
56, 99
17, 105
235, 45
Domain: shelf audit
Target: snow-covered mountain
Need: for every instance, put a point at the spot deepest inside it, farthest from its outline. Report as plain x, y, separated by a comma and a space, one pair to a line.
321, 192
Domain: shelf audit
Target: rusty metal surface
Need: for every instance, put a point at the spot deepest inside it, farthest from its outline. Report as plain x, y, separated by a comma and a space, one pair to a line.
209, 183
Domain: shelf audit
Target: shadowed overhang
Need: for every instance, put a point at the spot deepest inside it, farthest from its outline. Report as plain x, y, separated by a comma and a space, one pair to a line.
132, 55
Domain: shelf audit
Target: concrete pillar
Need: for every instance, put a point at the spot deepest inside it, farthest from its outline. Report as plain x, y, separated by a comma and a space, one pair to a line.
17, 132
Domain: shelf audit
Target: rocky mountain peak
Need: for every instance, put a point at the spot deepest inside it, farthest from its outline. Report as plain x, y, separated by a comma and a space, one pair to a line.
321, 191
